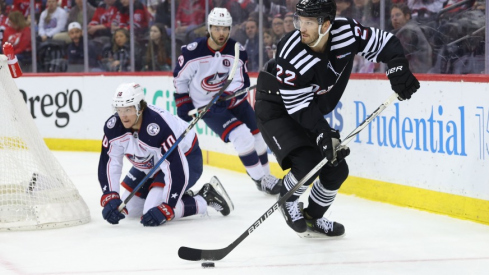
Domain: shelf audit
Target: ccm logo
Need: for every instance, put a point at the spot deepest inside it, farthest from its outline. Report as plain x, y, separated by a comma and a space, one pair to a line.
393, 70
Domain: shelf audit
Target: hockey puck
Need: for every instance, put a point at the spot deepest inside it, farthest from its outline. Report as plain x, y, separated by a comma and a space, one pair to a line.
208, 264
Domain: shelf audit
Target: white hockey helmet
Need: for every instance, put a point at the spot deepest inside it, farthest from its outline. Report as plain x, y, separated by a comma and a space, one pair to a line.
128, 94
219, 17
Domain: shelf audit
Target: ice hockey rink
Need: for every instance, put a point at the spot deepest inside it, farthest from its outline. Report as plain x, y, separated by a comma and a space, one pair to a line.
380, 238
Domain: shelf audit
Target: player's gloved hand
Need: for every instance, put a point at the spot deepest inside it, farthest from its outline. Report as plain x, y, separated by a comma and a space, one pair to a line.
110, 202
235, 101
158, 215
403, 82
184, 105
328, 141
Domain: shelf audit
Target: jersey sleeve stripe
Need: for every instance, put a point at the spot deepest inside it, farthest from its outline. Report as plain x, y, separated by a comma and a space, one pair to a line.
375, 44
292, 47
340, 29
341, 37
386, 37
344, 44
296, 92
303, 52
287, 43
369, 43
294, 100
303, 60
299, 107
309, 65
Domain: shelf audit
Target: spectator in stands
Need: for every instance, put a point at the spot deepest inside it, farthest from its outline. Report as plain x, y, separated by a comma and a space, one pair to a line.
118, 56
75, 48
238, 14
122, 19
289, 22
76, 12
76, 15
358, 9
290, 5
371, 16
18, 33
416, 47
52, 21
252, 46
100, 25
278, 27
268, 42
3, 20
163, 13
23, 6
189, 14
276, 8
157, 56
425, 10
344, 8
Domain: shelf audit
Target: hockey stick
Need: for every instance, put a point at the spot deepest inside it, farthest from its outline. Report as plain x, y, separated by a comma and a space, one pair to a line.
240, 92
190, 126
194, 254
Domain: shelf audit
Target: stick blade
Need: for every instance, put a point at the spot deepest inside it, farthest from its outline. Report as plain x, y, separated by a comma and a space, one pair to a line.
193, 254
190, 254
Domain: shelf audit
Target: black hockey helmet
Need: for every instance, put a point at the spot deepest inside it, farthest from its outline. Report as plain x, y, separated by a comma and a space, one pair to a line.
324, 10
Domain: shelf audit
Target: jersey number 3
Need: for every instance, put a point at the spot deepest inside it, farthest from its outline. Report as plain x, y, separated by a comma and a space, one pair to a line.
288, 78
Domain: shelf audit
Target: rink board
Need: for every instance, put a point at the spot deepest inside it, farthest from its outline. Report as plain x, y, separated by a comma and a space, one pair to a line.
431, 152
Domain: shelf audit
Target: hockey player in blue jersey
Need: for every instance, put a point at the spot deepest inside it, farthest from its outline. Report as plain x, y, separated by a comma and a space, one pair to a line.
143, 133
201, 71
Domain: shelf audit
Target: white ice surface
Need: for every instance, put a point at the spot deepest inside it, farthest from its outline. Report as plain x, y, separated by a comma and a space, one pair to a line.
380, 238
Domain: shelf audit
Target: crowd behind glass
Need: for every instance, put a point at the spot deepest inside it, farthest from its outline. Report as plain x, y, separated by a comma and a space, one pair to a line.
439, 36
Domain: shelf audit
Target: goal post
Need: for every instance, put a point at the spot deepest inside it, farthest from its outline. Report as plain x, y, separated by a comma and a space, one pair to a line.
35, 191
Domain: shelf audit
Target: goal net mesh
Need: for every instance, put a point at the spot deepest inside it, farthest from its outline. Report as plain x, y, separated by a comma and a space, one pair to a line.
35, 191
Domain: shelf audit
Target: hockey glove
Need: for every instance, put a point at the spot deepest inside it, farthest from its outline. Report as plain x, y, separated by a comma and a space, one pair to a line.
184, 105
328, 141
110, 202
235, 101
158, 215
403, 82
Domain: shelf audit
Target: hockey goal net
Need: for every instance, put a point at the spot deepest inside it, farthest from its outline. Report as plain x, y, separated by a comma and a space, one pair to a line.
35, 191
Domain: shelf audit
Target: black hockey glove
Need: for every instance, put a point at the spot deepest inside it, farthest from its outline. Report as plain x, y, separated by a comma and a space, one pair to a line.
403, 82
328, 141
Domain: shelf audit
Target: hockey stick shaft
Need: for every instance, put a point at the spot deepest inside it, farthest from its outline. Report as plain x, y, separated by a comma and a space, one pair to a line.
190, 126
193, 254
238, 93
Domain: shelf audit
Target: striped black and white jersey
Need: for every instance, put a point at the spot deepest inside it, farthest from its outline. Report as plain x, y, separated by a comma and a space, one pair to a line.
311, 83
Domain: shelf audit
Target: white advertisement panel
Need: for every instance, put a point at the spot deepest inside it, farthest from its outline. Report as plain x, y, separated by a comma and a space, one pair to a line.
438, 140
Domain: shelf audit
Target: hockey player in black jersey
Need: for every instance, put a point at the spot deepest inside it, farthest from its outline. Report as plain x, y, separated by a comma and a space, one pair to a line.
305, 82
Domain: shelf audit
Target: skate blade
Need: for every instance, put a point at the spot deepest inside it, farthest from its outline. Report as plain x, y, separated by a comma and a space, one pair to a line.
218, 186
309, 234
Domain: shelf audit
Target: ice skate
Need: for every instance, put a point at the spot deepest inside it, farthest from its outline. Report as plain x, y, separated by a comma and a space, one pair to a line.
216, 196
292, 212
323, 228
269, 184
